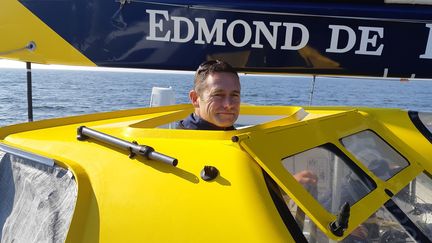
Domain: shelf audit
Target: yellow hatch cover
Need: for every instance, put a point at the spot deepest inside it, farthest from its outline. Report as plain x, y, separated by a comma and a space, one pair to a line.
273, 147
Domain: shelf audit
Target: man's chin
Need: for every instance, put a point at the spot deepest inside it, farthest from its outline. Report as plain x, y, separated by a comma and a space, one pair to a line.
225, 123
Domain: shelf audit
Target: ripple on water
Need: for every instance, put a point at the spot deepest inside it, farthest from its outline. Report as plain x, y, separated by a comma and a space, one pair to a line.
58, 93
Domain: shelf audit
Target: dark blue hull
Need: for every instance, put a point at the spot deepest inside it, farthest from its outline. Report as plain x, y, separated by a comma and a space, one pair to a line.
254, 36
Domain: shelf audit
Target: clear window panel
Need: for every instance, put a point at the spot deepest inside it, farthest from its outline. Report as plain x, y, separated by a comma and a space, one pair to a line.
336, 182
37, 201
415, 200
379, 227
375, 154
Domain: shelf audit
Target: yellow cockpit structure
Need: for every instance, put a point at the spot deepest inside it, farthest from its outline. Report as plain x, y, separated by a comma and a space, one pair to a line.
230, 186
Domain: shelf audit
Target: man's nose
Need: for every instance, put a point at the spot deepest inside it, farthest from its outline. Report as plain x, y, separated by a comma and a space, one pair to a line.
228, 102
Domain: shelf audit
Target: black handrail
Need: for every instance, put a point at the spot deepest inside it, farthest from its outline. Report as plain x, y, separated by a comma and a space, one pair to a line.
133, 148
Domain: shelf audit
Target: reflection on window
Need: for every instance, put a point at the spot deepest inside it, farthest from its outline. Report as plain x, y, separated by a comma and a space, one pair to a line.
337, 183
244, 121
380, 227
375, 153
416, 201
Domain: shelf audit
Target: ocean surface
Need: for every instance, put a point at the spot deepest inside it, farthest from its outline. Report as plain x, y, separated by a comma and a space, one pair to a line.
59, 93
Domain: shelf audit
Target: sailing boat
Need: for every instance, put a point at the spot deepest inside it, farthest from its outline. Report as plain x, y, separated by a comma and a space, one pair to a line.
124, 176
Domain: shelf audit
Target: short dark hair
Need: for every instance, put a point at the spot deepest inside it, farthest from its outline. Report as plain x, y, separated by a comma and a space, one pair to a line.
208, 68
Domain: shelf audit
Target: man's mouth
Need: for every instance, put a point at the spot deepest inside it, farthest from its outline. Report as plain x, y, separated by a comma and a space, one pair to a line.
226, 113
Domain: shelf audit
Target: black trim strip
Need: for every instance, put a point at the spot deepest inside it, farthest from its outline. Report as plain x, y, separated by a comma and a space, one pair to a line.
365, 178
283, 210
413, 115
406, 222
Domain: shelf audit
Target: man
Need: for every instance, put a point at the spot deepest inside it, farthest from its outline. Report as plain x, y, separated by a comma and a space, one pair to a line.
215, 97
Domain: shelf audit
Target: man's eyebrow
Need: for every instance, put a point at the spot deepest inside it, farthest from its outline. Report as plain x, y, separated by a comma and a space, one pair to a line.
222, 91
217, 91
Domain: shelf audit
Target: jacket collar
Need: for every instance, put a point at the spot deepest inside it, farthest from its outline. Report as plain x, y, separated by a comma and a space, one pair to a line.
195, 122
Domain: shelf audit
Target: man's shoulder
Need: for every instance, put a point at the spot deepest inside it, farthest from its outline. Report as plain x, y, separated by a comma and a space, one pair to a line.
180, 125
187, 123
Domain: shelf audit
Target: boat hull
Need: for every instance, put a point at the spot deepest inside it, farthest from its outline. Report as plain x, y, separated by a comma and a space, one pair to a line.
255, 37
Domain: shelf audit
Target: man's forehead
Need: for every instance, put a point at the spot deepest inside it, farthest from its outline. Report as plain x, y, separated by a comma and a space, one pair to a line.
223, 87
223, 81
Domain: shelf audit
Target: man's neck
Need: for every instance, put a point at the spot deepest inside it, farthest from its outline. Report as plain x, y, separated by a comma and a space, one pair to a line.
194, 121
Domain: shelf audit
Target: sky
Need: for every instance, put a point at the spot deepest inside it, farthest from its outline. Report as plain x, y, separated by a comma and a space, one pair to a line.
18, 64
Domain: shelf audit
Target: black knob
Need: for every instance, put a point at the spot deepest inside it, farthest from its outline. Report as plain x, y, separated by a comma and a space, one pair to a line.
209, 173
339, 226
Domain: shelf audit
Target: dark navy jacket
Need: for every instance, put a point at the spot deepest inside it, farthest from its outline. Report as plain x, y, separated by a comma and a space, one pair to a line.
194, 122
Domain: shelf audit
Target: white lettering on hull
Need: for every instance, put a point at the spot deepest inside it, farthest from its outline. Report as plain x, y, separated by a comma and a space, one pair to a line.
334, 41
428, 52
259, 34
289, 36
261, 27
247, 33
155, 25
203, 31
183, 31
365, 40
177, 27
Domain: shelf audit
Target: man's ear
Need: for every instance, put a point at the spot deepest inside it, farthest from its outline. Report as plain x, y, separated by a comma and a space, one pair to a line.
193, 96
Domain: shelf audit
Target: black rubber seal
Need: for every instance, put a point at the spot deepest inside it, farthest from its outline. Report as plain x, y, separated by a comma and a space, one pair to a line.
284, 212
413, 115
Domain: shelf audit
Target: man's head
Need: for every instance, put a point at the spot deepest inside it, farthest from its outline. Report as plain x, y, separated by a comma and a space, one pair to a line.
216, 93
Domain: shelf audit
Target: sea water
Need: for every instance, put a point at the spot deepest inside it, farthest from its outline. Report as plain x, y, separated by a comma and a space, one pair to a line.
59, 93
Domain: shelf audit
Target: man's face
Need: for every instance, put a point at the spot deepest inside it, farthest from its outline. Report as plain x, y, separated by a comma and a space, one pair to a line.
219, 102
